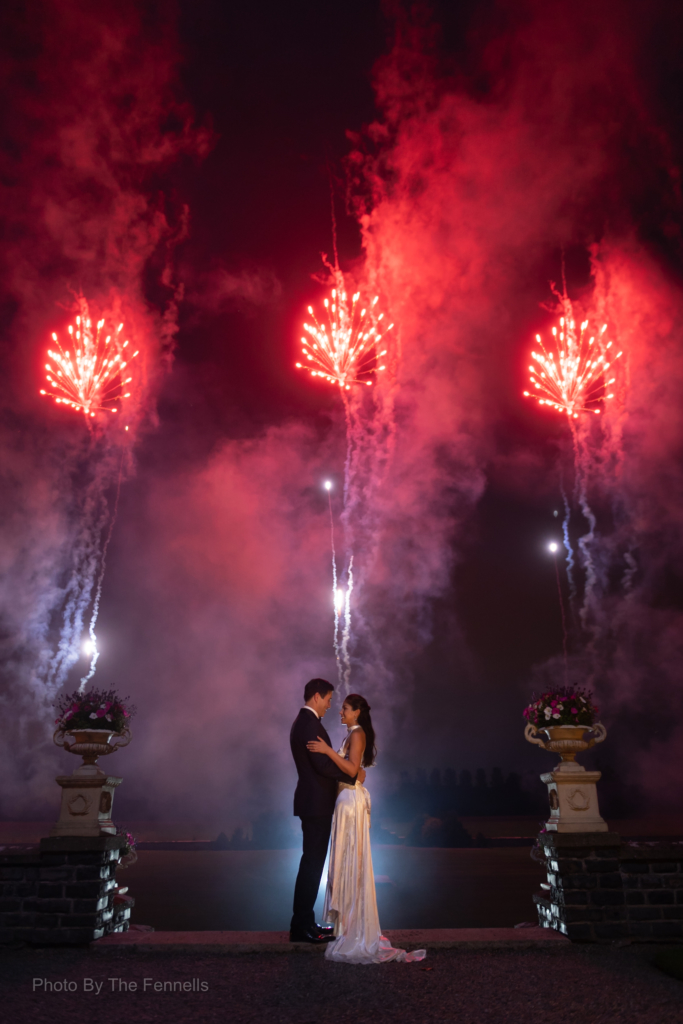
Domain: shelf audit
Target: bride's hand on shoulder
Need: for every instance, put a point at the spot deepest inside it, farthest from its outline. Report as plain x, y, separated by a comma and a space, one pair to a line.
318, 746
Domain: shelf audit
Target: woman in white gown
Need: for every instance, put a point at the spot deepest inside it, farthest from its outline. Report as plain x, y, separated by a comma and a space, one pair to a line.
350, 900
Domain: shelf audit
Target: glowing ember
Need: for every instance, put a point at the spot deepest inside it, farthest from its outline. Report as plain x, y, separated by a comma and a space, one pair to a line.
89, 375
345, 350
575, 377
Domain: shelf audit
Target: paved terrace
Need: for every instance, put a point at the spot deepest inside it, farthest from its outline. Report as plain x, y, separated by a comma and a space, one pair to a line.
470, 976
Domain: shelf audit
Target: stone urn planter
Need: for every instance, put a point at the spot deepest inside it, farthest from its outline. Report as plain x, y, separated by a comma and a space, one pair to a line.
91, 744
566, 740
90, 724
572, 792
88, 793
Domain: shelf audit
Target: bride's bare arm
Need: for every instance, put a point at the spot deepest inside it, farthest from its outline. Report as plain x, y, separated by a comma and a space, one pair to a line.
356, 748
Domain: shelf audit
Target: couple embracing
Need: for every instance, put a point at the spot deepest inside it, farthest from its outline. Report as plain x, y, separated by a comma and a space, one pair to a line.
331, 799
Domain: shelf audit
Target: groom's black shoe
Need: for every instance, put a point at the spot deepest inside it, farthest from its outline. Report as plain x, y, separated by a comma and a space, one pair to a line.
324, 929
311, 935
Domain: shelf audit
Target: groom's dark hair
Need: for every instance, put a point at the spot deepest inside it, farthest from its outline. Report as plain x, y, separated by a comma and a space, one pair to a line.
320, 686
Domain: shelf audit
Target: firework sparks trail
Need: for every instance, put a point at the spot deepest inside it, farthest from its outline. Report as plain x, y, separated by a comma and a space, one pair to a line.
575, 380
98, 589
89, 376
370, 442
346, 635
586, 542
568, 546
337, 595
78, 593
553, 549
346, 349
92, 379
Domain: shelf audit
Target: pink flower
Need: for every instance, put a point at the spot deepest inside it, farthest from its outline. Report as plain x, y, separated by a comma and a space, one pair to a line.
574, 711
100, 713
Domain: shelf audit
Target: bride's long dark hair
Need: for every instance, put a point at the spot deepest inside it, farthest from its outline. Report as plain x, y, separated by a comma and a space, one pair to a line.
358, 703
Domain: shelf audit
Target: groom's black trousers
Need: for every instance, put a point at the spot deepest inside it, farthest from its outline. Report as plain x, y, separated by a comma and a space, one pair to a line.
316, 832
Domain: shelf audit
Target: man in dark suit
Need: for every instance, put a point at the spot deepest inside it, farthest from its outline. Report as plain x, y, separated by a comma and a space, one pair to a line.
314, 801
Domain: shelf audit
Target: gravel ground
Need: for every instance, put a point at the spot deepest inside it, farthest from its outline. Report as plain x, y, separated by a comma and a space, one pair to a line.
571, 985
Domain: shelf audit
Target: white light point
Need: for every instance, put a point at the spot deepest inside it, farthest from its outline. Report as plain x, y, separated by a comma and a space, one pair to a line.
328, 485
552, 547
88, 648
339, 601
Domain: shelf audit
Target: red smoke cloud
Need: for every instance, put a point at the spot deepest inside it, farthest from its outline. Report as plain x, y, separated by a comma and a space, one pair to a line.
231, 610
472, 184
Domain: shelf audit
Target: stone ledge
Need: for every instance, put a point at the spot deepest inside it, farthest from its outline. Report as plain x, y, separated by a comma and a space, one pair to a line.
138, 940
81, 844
579, 840
653, 851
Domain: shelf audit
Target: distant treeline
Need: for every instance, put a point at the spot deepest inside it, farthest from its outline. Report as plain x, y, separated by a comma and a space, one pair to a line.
430, 805
460, 793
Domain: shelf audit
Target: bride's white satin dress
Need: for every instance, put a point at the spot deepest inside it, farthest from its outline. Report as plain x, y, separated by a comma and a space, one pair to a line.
350, 900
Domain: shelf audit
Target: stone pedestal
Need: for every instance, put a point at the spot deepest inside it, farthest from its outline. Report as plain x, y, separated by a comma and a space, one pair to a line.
87, 799
573, 799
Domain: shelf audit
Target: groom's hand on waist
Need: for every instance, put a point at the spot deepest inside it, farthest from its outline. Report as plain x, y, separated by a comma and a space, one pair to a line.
361, 776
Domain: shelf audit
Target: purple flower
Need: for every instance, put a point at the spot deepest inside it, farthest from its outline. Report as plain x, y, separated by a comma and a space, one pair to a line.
100, 713
574, 711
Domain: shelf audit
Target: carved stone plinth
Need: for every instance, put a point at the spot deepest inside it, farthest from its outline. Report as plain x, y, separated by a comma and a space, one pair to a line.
88, 794
573, 799
87, 798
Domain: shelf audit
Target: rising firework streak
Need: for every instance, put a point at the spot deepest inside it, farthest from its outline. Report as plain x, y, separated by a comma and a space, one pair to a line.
576, 377
344, 350
92, 379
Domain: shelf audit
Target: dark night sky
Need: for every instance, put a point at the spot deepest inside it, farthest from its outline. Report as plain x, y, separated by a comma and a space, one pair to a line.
284, 94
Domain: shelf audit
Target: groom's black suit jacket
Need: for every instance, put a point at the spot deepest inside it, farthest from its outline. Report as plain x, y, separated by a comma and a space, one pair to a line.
316, 791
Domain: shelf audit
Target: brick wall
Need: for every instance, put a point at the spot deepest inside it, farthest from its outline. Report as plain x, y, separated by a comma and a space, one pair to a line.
600, 888
61, 892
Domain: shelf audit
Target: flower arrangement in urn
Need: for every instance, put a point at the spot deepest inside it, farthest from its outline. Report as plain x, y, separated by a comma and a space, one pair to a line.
93, 719
564, 715
565, 706
97, 709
